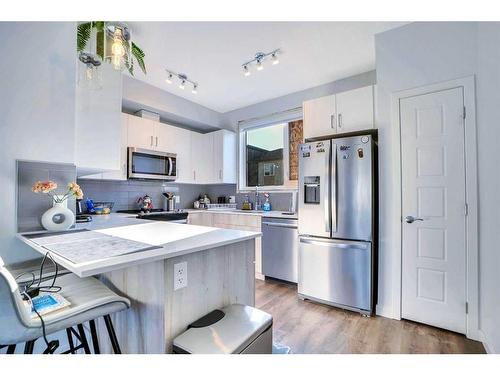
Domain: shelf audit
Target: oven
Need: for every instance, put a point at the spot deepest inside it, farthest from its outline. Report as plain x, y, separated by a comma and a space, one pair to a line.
151, 165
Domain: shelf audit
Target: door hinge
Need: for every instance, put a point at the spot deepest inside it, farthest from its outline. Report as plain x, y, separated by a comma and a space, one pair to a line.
466, 307
466, 209
464, 113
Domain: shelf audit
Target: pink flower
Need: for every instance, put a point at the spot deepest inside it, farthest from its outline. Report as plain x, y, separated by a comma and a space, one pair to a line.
75, 190
44, 187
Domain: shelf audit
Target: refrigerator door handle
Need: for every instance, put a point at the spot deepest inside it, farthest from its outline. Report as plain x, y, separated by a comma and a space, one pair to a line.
337, 243
326, 194
334, 187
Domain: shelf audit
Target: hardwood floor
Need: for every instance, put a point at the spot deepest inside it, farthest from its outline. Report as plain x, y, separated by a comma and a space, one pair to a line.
308, 327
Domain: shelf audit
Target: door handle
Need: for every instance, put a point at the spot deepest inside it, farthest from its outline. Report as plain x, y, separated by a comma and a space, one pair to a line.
332, 121
336, 243
151, 141
220, 174
340, 120
326, 194
292, 226
411, 219
156, 141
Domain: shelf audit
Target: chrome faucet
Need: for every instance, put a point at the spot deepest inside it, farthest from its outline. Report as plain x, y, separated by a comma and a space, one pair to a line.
258, 206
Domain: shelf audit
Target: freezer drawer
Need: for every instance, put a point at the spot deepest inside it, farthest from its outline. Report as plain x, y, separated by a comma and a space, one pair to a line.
280, 249
336, 272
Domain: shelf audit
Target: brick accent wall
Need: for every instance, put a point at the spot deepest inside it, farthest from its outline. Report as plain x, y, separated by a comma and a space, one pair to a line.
295, 137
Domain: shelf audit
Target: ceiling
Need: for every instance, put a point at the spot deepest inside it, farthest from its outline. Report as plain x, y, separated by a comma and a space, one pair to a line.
211, 53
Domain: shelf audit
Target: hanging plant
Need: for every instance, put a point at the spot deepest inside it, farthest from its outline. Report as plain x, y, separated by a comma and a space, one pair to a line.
119, 32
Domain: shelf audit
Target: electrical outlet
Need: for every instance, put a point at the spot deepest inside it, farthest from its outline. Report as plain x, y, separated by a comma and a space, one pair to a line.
180, 275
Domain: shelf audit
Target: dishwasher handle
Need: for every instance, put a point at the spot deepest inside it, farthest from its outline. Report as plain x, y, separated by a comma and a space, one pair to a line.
281, 225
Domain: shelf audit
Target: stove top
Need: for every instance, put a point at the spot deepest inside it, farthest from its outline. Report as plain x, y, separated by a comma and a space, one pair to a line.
158, 214
139, 211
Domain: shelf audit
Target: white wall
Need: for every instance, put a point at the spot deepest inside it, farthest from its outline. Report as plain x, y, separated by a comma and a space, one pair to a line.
172, 108
488, 116
419, 54
37, 106
230, 119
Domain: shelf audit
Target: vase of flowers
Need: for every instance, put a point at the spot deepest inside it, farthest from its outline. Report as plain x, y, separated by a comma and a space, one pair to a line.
59, 217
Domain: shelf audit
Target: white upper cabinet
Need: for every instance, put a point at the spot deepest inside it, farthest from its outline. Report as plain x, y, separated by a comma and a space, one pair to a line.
177, 141
344, 112
355, 110
141, 132
224, 160
201, 158
319, 116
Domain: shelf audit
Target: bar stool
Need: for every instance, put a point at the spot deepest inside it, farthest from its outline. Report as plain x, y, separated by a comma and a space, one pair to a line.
90, 299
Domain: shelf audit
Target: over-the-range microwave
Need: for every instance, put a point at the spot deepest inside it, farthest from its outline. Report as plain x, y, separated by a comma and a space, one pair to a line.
151, 165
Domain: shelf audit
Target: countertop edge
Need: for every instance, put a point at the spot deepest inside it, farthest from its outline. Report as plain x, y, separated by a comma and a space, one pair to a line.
128, 260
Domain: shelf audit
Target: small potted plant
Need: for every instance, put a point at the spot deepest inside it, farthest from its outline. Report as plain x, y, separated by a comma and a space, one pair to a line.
59, 217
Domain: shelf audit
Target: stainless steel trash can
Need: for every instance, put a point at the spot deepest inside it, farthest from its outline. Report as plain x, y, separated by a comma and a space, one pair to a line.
235, 329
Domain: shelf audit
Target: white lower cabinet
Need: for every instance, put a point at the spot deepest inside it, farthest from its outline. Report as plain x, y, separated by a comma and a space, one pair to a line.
232, 221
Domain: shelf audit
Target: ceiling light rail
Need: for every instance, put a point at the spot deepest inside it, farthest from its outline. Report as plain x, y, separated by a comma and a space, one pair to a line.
183, 80
259, 59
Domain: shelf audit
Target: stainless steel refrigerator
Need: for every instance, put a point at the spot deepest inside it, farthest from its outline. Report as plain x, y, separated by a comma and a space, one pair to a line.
337, 222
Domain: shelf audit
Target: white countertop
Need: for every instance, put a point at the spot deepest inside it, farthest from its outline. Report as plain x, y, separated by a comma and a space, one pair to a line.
174, 240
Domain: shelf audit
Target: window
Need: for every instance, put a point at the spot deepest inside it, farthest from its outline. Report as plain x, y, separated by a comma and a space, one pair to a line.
268, 155
264, 156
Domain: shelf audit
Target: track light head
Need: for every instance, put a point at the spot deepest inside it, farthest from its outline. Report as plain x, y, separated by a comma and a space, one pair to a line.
182, 85
246, 71
195, 89
169, 78
274, 59
259, 65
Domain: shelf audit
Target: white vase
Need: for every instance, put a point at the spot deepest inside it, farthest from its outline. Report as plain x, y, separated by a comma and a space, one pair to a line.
59, 217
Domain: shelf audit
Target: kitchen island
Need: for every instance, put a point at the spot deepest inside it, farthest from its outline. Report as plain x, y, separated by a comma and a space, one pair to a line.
220, 271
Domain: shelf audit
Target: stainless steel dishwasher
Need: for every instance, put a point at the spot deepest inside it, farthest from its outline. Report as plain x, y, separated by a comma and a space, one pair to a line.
280, 248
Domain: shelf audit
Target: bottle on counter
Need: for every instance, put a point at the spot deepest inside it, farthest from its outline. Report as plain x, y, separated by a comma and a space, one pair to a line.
267, 205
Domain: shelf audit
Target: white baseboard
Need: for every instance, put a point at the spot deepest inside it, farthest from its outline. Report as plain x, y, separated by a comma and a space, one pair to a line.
386, 312
487, 344
259, 276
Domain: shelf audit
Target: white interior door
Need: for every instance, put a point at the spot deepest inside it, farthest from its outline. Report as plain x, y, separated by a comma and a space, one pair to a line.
434, 209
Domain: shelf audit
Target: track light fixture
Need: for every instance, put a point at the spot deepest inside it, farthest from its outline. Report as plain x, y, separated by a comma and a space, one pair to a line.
259, 59
183, 80
169, 78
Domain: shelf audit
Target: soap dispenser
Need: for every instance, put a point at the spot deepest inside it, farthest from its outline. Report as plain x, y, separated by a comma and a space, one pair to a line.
267, 205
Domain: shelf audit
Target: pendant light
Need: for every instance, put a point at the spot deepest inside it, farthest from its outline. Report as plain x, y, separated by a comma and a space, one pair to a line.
90, 71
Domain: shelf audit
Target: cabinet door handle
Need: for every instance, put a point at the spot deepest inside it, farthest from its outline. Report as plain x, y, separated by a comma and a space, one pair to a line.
156, 141
194, 175
220, 174
151, 141
340, 120
332, 121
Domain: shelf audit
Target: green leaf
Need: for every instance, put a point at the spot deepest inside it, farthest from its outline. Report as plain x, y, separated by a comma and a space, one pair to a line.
139, 55
130, 67
83, 35
98, 25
